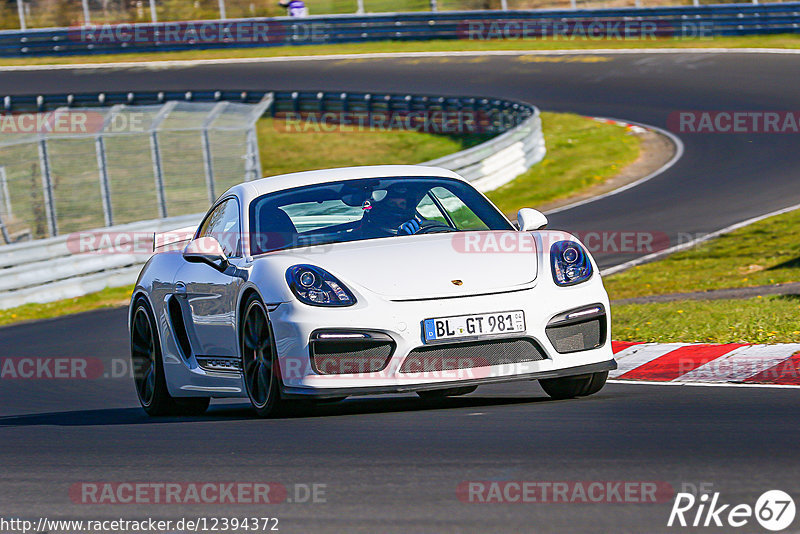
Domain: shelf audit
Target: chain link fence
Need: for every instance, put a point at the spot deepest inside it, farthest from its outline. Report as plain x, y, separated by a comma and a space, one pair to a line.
77, 168
63, 13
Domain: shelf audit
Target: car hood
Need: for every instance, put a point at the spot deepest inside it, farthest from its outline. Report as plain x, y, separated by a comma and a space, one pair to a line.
429, 266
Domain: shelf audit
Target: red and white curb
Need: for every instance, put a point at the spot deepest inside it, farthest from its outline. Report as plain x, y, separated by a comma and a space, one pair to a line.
691, 363
630, 127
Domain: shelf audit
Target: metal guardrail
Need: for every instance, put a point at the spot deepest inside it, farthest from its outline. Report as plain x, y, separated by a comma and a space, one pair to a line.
56, 268
47, 270
714, 20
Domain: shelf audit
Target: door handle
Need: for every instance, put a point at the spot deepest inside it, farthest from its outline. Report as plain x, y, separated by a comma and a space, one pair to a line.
180, 289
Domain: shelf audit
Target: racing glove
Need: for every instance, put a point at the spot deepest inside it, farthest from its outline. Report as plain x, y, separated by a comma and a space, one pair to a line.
409, 227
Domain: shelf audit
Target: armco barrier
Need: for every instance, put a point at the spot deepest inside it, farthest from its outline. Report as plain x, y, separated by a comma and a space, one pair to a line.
50, 269
681, 21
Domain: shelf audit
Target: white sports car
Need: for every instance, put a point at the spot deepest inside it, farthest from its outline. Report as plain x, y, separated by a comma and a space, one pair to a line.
362, 281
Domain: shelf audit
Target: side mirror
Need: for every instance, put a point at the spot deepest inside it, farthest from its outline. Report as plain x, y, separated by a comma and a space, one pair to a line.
530, 219
206, 250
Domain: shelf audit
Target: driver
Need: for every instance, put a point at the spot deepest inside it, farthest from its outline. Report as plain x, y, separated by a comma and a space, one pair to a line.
395, 214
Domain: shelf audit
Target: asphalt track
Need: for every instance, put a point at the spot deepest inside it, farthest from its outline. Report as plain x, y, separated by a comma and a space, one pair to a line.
393, 464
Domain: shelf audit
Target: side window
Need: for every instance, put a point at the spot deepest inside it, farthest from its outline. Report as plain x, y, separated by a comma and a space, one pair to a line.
223, 225
430, 211
463, 217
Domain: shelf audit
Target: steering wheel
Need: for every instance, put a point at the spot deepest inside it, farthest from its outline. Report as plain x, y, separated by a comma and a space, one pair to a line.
434, 227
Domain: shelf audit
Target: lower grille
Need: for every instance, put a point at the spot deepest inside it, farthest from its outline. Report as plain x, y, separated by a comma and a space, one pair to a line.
472, 354
349, 358
576, 337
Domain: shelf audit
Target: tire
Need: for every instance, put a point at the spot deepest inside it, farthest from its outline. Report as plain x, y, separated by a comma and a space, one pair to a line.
259, 361
148, 370
574, 386
597, 383
449, 392
191, 405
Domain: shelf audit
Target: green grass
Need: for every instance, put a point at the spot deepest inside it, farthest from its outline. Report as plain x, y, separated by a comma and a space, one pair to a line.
579, 154
754, 41
287, 151
767, 252
774, 319
107, 298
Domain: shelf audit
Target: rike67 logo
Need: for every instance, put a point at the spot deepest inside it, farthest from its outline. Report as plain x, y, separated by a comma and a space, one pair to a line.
774, 510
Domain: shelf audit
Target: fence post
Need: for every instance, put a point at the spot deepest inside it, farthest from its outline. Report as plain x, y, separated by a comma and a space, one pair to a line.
208, 166
153, 15
7, 202
253, 162
252, 157
4, 232
47, 188
4, 186
21, 12
573, 4
155, 154
208, 161
504, 5
434, 6
102, 164
360, 9
105, 190
222, 14
86, 17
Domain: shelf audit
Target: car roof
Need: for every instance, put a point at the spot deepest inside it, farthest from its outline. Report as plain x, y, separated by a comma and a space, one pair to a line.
297, 179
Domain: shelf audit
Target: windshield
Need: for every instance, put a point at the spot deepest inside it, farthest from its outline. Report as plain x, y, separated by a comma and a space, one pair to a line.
373, 208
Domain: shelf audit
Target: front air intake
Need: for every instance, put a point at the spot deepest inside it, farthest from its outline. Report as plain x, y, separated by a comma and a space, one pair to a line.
338, 353
578, 330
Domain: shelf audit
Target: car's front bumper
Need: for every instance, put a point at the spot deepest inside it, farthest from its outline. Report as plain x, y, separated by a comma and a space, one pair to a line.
305, 392
294, 324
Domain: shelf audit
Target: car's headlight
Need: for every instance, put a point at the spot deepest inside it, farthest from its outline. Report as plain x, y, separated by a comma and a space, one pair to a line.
317, 287
570, 263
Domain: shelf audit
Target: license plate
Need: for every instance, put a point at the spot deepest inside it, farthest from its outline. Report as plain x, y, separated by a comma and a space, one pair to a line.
479, 325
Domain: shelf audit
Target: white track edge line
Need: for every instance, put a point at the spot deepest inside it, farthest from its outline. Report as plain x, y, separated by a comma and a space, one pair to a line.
391, 55
679, 148
683, 246
701, 384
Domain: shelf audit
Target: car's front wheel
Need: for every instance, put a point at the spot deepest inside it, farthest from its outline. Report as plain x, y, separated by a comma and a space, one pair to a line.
259, 360
148, 370
574, 386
